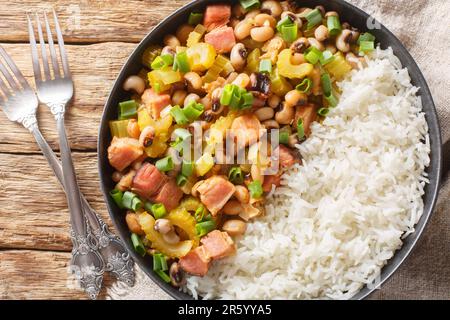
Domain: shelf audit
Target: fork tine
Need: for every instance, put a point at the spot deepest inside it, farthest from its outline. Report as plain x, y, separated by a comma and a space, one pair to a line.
62, 50
14, 68
12, 83
3, 88
52, 48
43, 50
34, 52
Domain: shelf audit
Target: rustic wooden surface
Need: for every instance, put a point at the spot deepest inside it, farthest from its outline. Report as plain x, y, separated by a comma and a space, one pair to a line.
34, 243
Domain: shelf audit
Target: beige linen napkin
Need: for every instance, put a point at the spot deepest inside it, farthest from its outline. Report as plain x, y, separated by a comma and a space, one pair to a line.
423, 26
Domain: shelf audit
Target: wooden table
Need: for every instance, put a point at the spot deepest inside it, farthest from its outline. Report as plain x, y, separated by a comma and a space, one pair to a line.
34, 242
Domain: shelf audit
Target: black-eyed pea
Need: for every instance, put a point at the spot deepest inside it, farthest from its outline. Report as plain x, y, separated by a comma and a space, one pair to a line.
242, 29
238, 56
178, 97
171, 41
135, 83
241, 194
183, 33
264, 19
272, 7
264, 113
194, 80
316, 43
274, 101
234, 227
232, 208
191, 97
262, 34
321, 33
133, 223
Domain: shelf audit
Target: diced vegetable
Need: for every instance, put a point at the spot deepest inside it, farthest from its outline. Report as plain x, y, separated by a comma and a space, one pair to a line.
283, 137
160, 80
196, 35
137, 244
179, 115
255, 189
131, 201
119, 128
304, 86
195, 18
333, 25
150, 54
235, 175
193, 111
253, 61
367, 36
182, 219
314, 17
366, 46
204, 164
265, 65
181, 180
289, 32
165, 164
181, 62
203, 228
339, 67
201, 56
187, 168
300, 129
178, 250
279, 85
158, 210
313, 55
326, 57
323, 112
236, 97
117, 196
289, 70
213, 73
127, 109
162, 61
250, 4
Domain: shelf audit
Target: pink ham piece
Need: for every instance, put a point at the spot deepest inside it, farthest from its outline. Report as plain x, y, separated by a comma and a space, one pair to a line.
216, 15
196, 262
215, 193
308, 114
148, 181
156, 102
218, 244
169, 195
287, 158
271, 180
222, 39
123, 151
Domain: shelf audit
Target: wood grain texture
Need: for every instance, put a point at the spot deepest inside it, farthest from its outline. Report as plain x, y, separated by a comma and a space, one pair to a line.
94, 69
88, 21
33, 210
28, 274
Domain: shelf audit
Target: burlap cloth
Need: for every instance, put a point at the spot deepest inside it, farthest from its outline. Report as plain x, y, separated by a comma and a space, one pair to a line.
424, 28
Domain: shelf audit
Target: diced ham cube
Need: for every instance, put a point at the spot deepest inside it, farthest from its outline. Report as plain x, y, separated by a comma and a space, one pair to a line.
156, 102
218, 244
287, 157
216, 15
308, 114
148, 181
123, 151
169, 195
222, 39
215, 193
271, 180
196, 262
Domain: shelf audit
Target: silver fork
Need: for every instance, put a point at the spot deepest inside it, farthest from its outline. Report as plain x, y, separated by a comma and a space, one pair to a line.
20, 104
56, 93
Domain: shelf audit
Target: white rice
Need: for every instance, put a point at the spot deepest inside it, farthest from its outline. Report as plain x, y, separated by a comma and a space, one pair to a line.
342, 214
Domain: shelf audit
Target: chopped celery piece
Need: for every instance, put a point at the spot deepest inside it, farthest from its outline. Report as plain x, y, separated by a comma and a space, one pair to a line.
119, 128
195, 18
127, 109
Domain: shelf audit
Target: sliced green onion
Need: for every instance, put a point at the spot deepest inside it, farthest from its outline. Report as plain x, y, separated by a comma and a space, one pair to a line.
168, 59
193, 110
127, 109
250, 4
165, 164
265, 65
284, 137
304, 86
177, 144
137, 244
200, 213
332, 100
117, 196
366, 37
163, 276
181, 180
181, 133
314, 17
313, 55
289, 32
333, 25
326, 84
195, 18
181, 62
148, 206
158, 63
327, 57
235, 175
157, 87
300, 129
323, 112
227, 94
246, 100
131, 201
179, 116
235, 99
187, 168
158, 210
366, 46
255, 188
286, 21
203, 228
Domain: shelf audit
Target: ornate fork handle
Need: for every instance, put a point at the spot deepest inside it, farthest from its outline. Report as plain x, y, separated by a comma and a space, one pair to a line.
117, 259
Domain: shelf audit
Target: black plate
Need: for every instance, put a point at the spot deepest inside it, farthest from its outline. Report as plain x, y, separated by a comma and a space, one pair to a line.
347, 12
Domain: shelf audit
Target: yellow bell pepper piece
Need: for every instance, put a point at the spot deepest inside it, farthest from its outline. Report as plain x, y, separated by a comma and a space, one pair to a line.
181, 218
201, 56
190, 204
339, 67
289, 70
204, 164
119, 128
196, 35
253, 61
279, 85
160, 80
178, 250
161, 126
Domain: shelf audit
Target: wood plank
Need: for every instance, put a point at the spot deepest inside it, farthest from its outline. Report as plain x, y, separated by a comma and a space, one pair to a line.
28, 274
88, 21
33, 210
94, 69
